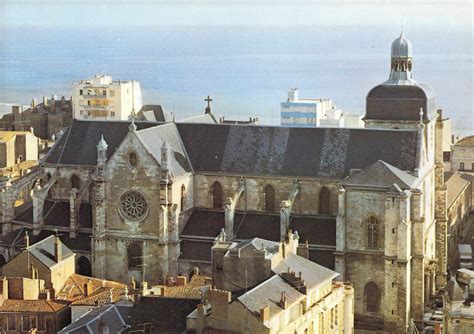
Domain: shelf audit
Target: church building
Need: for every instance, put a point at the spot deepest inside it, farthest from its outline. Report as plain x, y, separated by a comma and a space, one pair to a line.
147, 200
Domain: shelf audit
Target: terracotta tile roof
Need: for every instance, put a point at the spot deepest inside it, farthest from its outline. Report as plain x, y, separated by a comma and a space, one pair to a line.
73, 288
33, 306
101, 296
192, 290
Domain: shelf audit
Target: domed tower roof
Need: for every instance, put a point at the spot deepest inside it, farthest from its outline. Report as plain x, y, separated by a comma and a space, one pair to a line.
400, 97
402, 48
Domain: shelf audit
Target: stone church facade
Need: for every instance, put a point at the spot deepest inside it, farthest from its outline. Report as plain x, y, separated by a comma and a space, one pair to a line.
147, 200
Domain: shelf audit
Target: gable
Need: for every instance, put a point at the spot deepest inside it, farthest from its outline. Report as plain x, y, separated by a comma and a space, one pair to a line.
78, 144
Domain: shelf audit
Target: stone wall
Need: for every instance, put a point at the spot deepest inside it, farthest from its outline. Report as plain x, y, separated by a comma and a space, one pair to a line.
307, 201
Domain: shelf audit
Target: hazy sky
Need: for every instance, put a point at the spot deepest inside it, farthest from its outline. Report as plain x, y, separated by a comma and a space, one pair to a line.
414, 14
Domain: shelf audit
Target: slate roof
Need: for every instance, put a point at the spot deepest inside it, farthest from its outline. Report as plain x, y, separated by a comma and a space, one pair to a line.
455, 183
313, 274
77, 146
166, 315
196, 250
115, 316
204, 225
153, 139
44, 251
56, 214
400, 102
15, 238
152, 113
268, 294
315, 230
383, 175
32, 306
314, 152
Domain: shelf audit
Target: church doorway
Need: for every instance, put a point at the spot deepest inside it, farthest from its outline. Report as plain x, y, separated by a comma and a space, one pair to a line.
83, 266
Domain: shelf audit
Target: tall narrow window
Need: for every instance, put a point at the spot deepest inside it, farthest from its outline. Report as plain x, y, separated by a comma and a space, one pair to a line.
134, 254
75, 182
216, 195
372, 232
269, 194
183, 197
132, 159
461, 166
325, 201
372, 298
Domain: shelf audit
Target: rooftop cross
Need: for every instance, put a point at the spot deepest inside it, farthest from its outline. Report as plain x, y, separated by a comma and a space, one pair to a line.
208, 108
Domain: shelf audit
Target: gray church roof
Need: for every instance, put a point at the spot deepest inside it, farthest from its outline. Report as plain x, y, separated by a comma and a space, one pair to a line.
400, 102
154, 137
383, 175
77, 146
316, 152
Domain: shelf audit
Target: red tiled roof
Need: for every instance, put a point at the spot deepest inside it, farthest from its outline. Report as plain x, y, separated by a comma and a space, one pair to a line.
73, 288
32, 306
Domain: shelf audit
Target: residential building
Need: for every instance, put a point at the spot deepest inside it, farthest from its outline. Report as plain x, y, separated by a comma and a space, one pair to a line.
27, 306
17, 147
48, 259
298, 112
101, 98
459, 200
47, 118
462, 155
277, 291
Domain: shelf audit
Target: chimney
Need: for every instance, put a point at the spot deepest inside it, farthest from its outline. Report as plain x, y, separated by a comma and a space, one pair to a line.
45, 101
50, 295
58, 252
88, 288
33, 103
283, 303
133, 284
264, 314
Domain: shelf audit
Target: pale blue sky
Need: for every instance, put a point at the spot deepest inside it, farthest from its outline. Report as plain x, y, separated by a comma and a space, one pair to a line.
454, 14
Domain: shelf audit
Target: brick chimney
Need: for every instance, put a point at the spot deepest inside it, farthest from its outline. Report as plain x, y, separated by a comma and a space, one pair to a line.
58, 252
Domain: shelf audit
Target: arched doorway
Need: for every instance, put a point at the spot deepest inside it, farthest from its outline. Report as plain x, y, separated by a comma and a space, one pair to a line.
83, 266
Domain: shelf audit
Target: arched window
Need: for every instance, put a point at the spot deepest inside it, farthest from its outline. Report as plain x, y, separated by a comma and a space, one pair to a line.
132, 159
75, 182
269, 194
83, 266
372, 232
183, 197
134, 254
325, 201
397, 68
372, 297
216, 195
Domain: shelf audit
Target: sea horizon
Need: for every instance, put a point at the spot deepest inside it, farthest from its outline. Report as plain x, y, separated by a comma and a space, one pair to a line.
247, 70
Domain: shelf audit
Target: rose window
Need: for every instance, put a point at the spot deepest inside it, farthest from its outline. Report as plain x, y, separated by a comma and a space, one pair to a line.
133, 205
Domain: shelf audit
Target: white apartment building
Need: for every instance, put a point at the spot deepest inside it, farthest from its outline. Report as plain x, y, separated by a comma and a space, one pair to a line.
296, 112
104, 99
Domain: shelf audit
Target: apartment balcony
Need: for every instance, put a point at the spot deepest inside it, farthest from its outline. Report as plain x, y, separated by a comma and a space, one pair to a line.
87, 107
92, 96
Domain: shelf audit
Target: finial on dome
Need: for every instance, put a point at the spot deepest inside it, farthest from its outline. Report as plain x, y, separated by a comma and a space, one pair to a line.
102, 145
132, 127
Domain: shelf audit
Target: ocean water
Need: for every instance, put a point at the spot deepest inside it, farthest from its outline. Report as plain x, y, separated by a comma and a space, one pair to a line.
246, 70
